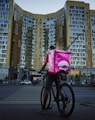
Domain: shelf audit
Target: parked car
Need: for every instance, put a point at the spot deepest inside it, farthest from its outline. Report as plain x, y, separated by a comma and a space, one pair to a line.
25, 82
5, 82
35, 82
84, 82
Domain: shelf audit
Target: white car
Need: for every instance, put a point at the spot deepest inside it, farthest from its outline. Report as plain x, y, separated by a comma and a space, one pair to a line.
5, 82
25, 82
84, 82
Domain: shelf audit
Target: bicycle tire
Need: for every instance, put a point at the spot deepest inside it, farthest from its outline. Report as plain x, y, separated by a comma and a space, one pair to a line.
48, 100
66, 99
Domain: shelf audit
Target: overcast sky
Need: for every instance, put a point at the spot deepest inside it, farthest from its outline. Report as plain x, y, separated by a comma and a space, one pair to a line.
47, 6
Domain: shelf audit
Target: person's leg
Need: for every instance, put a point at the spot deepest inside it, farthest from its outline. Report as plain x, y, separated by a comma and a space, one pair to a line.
56, 84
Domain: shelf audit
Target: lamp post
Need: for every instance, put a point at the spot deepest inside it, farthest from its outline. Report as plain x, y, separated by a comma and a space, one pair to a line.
73, 41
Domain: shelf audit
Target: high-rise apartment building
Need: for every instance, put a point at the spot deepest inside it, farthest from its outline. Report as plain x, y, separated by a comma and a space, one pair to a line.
6, 25
78, 25
25, 37
38, 33
92, 24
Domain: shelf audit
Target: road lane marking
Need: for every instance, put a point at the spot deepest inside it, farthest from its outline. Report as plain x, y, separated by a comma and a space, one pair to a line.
88, 104
20, 102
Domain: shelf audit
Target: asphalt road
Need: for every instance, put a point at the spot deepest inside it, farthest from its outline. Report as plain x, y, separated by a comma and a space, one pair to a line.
23, 103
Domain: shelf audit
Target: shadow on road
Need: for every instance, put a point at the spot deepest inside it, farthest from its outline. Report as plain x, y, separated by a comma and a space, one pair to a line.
32, 112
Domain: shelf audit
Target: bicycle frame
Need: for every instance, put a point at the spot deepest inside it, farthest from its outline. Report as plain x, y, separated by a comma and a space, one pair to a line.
56, 94
57, 84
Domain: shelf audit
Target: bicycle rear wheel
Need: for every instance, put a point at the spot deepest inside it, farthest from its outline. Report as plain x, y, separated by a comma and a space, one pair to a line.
66, 100
48, 103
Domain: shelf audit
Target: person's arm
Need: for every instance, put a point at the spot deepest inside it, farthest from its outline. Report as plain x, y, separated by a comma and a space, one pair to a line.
44, 65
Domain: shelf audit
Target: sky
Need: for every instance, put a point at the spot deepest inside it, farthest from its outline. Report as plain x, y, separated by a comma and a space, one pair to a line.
47, 6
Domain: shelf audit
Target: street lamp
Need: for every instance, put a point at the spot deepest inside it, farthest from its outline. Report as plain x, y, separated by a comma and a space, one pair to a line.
73, 41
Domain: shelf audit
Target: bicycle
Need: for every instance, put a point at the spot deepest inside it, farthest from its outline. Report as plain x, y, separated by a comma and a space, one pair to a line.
63, 96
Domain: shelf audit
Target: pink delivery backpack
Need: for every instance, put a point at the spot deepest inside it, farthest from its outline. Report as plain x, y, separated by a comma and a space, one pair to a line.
59, 60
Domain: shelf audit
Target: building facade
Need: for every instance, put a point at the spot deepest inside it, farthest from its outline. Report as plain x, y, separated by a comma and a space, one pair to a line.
6, 24
25, 37
78, 26
92, 18
38, 33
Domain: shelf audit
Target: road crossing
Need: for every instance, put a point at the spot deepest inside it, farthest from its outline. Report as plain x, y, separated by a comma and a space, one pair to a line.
31, 95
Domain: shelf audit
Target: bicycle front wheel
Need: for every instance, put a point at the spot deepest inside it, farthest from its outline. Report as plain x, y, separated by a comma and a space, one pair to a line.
48, 103
66, 101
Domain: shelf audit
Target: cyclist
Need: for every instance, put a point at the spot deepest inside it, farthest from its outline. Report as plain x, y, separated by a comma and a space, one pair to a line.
49, 78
